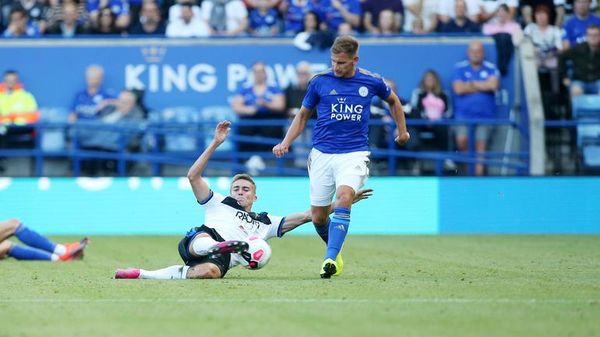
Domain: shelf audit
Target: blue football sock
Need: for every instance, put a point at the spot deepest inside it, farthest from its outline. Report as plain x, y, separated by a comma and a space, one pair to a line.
34, 239
27, 253
338, 228
323, 230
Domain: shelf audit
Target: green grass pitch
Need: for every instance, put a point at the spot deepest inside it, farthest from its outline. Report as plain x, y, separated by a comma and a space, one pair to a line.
392, 286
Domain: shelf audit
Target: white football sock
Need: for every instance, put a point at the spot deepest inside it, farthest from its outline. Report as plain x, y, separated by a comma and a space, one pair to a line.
60, 249
202, 244
170, 273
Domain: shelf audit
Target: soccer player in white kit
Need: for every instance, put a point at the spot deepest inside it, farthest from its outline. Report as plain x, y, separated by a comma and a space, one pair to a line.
210, 250
338, 162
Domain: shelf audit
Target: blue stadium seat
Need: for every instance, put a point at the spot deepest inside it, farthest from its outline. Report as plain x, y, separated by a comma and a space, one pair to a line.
53, 139
587, 108
213, 114
184, 121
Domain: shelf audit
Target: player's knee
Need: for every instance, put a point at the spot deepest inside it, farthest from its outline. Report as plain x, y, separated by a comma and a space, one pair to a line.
204, 271
344, 199
12, 225
4, 248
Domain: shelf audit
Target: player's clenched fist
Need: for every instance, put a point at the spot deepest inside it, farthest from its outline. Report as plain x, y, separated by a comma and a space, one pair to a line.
280, 150
403, 138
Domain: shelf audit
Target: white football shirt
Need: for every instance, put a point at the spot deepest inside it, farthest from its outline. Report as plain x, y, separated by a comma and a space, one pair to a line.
232, 222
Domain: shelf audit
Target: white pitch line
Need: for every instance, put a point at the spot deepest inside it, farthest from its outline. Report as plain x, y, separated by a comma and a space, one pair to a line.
533, 301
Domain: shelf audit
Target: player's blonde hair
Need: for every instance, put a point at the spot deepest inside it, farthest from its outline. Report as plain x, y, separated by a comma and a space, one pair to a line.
345, 44
243, 176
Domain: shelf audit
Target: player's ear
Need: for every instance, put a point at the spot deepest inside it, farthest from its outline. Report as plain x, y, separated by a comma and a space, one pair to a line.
355, 59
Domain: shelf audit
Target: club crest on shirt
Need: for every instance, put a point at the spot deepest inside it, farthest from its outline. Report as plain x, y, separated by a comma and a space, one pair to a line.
363, 91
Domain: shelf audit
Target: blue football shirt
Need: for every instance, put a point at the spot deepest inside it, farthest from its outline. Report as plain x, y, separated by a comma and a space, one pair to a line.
478, 104
343, 107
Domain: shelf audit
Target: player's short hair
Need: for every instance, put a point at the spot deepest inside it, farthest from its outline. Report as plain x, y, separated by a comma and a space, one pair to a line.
345, 44
243, 176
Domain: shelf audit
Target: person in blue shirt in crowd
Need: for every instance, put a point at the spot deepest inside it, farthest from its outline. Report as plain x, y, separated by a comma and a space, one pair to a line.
120, 9
336, 12
575, 28
264, 19
293, 14
260, 100
19, 25
475, 83
338, 162
87, 103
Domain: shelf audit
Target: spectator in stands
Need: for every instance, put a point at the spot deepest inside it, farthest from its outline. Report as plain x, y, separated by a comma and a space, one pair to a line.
293, 12
88, 103
460, 23
106, 24
387, 24
36, 12
503, 22
545, 37
474, 84
123, 112
119, 9
225, 17
584, 70
174, 13
294, 94
150, 21
430, 102
445, 10
19, 25
55, 12
335, 12
574, 29
489, 9
259, 101
556, 10
547, 42
190, 25
264, 19
420, 10
69, 24
18, 109
372, 10
314, 33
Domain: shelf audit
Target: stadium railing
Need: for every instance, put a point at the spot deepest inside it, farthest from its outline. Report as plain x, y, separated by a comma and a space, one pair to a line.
153, 150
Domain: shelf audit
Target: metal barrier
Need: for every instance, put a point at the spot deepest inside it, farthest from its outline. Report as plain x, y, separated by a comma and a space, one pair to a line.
152, 134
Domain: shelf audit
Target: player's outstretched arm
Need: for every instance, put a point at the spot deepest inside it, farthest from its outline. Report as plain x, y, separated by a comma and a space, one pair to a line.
199, 187
297, 219
296, 128
398, 116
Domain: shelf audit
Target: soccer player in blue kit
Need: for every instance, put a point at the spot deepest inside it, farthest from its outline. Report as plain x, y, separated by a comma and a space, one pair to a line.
338, 162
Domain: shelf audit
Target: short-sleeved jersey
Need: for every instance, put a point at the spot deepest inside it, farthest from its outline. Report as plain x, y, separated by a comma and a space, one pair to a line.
574, 29
86, 105
343, 107
250, 97
333, 17
294, 16
232, 222
262, 23
479, 104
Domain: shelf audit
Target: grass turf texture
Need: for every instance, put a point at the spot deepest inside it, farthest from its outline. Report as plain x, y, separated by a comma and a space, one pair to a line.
392, 286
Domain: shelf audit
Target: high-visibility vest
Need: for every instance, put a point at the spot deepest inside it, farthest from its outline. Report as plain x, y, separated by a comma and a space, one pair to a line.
18, 107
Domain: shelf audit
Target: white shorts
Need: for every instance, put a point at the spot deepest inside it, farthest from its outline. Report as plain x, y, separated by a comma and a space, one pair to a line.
328, 171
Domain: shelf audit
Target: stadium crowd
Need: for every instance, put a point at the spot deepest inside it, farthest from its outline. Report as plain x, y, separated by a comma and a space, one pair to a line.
566, 36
